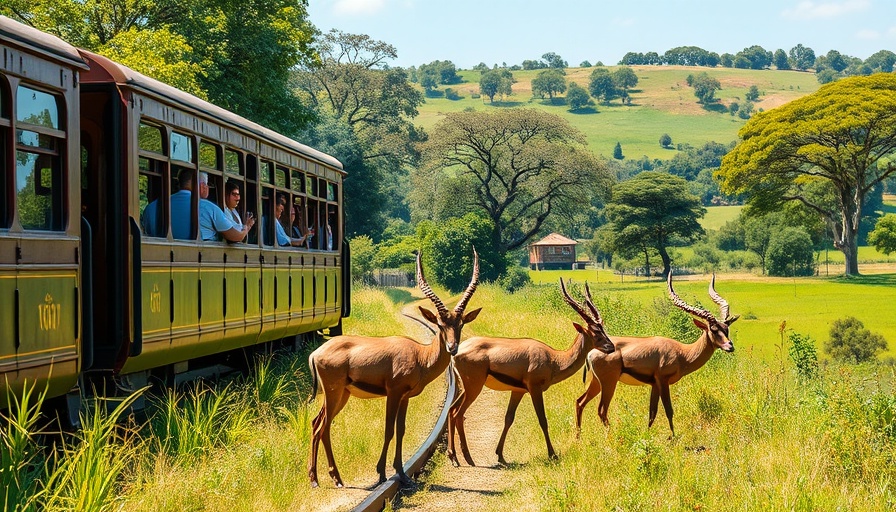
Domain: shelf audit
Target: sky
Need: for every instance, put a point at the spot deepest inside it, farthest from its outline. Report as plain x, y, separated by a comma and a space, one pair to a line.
468, 32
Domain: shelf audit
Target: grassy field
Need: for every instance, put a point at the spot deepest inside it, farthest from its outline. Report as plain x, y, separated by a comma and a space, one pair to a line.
661, 103
751, 434
808, 305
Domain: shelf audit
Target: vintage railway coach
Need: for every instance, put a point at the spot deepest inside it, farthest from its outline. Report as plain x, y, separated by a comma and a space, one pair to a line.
95, 290
40, 252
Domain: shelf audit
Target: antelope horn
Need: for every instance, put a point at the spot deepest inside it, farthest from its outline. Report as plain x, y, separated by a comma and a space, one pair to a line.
702, 313
590, 303
424, 287
575, 305
718, 299
462, 303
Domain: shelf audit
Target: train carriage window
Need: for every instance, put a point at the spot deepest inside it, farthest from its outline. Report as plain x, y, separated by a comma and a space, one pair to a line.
39, 146
250, 195
149, 138
269, 212
4, 150
208, 156
153, 198
181, 147
298, 179
233, 162
280, 177
267, 172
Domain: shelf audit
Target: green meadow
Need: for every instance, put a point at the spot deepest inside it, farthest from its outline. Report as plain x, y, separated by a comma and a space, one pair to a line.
661, 103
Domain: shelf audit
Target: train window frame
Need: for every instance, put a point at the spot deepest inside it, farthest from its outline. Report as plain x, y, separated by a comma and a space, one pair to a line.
157, 171
206, 148
41, 146
240, 162
5, 142
175, 149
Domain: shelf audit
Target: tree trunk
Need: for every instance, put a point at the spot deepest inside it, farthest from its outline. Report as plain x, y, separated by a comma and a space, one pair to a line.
847, 240
667, 261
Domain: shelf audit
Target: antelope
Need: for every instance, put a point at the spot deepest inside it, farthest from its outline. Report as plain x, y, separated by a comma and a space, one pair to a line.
520, 366
656, 361
395, 367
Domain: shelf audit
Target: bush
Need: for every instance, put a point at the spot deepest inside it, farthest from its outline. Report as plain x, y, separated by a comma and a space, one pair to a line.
514, 279
363, 252
447, 251
790, 253
851, 342
803, 354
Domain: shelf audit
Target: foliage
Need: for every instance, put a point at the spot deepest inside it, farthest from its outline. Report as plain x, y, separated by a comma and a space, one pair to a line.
790, 253
624, 78
549, 82
518, 167
601, 85
883, 238
448, 252
801, 57
514, 278
19, 468
577, 97
752, 93
617, 151
705, 87
665, 140
653, 210
496, 82
363, 252
801, 349
841, 136
757, 57
851, 342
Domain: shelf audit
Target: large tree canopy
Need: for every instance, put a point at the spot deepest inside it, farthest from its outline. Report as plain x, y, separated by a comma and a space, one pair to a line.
518, 166
653, 210
840, 140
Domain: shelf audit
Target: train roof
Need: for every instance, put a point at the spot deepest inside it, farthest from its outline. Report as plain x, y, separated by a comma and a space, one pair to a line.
124, 75
40, 42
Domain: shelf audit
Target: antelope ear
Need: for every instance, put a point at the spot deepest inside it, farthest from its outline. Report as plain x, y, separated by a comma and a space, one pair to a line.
580, 328
700, 324
429, 315
469, 317
732, 319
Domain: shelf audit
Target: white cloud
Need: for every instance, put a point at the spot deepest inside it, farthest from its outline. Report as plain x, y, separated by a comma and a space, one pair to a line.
808, 10
358, 7
868, 34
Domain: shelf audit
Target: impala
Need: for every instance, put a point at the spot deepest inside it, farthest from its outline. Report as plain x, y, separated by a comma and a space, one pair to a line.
395, 367
656, 361
521, 366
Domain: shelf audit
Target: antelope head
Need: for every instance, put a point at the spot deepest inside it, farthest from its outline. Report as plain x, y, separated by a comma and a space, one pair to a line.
716, 330
593, 330
450, 323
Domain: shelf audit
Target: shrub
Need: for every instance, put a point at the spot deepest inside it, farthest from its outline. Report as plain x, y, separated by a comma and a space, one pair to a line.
790, 253
514, 279
447, 253
803, 354
363, 252
851, 342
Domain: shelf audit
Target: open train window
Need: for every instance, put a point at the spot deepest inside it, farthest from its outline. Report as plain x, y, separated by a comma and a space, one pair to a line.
209, 156
153, 183
233, 162
4, 150
181, 147
39, 146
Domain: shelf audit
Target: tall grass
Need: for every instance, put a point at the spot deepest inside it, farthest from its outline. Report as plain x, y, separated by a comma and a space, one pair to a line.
753, 433
19, 452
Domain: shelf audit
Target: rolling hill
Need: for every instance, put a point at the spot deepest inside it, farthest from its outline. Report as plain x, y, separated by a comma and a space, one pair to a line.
661, 103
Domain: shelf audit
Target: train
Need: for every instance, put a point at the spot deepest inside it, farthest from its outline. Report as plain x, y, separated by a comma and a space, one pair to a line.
87, 295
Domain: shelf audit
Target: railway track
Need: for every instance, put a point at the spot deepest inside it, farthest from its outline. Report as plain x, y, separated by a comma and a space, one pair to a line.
383, 493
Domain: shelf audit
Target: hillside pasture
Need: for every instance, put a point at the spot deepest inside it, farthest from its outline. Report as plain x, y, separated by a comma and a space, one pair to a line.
662, 103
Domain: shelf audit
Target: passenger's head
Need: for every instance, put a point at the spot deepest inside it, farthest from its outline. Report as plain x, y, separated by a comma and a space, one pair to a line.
231, 194
203, 185
281, 205
185, 179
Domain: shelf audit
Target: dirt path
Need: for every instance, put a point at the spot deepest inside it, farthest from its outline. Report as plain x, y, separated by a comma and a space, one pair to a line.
445, 488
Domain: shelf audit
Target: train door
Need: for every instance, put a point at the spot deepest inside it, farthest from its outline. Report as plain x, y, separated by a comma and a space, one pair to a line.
8, 244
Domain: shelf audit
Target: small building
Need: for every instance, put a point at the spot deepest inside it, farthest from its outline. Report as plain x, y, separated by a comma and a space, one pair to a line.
553, 252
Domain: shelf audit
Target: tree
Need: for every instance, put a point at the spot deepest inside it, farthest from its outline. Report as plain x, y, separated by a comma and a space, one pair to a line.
883, 238
518, 167
836, 61
801, 57
549, 82
705, 87
448, 251
495, 82
752, 94
842, 137
790, 253
617, 151
577, 97
665, 140
601, 85
654, 209
758, 57
624, 78
851, 342
780, 60
882, 61
554, 61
